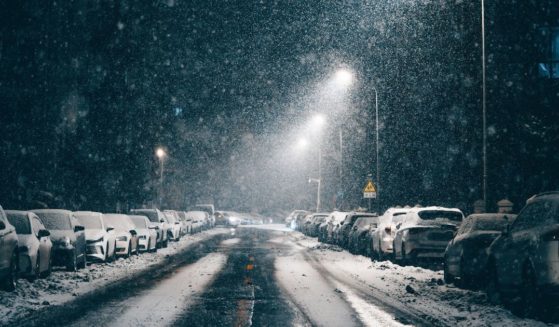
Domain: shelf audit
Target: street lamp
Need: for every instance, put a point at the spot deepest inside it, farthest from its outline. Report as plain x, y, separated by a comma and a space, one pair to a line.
343, 78
484, 106
161, 154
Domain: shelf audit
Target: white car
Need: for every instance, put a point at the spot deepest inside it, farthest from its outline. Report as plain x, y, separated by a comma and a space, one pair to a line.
186, 223
175, 225
425, 233
100, 238
382, 238
147, 234
198, 220
156, 218
333, 222
125, 233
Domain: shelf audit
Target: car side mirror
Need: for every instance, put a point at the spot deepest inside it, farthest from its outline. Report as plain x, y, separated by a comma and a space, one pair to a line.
110, 229
2, 225
398, 226
162, 220
43, 233
78, 228
133, 232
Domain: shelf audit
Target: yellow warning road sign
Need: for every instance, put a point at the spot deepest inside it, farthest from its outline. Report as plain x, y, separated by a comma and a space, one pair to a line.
370, 187
370, 191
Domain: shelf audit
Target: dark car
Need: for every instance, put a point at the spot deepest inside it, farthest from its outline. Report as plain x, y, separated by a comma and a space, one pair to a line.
347, 224
359, 235
466, 255
523, 263
67, 236
8, 253
315, 222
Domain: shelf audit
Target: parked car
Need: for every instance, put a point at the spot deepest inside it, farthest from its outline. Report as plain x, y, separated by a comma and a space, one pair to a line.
185, 221
317, 219
298, 220
424, 233
466, 255
198, 218
125, 234
334, 221
174, 225
210, 209
293, 215
230, 218
359, 234
382, 238
347, 224
147, 233
67, 236
99, 237
156, 218
523, 262
8, 253
35, 246
305, 224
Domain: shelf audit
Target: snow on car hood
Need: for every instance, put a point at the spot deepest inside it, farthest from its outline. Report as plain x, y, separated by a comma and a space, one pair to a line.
58, 235
26, 239
94, 234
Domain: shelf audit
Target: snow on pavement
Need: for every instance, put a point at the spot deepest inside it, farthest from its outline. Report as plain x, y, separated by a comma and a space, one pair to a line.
63, 286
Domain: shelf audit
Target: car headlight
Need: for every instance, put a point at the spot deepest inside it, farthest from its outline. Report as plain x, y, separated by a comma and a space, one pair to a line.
142, 237
122, 238
97, 241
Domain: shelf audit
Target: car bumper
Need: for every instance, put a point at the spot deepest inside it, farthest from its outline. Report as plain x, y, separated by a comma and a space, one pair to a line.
61, 256
25, 266
143, 244
95, 251
121, 248
425, 250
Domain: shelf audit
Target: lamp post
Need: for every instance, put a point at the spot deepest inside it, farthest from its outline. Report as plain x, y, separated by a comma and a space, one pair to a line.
484, 106
316, 124
377, 149
160, 153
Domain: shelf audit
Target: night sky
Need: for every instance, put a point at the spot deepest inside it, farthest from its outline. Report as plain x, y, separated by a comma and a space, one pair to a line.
89, 90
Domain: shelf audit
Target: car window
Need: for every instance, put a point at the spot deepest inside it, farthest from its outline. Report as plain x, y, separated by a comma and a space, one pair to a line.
440, 214
151, 214
21, 223
465, 227
36, 225
535, 214
489, 224
55, 220
90, 221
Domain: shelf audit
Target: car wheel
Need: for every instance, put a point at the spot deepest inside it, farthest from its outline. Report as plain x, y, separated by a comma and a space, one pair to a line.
47, 272
83, 261
404, 260
166, 243
530, 305
73, 264
492, 284
37, 271
9, 284
447, 276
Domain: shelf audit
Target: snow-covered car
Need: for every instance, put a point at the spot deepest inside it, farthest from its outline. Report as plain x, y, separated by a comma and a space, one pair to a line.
298, 219
186, 223
210, 210
198, 218
147, 233
333, 222
125, 234
67, 236
99, 237
317, 219
382, 238
8, 253
174, 225
425, 233
466, 255
523, 262
293, 215
35, 246
156, 218
347, 224
359, 234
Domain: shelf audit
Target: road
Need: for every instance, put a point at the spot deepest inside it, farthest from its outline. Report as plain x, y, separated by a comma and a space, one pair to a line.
249, 277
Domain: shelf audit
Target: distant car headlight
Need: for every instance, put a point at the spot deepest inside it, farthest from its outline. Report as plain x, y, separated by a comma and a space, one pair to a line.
122, 238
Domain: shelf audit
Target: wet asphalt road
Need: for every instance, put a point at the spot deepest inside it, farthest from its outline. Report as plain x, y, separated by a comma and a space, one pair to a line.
242, 291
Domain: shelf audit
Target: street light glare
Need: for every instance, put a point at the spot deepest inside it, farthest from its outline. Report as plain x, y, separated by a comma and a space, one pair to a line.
160, 153
344, 77
302, 143
317, 121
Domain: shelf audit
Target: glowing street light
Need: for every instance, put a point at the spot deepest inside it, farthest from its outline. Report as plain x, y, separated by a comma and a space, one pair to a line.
343, 78
302, 143
317, 121
161, 154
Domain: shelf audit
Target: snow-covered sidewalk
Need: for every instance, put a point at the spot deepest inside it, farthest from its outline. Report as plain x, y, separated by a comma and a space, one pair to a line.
62, 286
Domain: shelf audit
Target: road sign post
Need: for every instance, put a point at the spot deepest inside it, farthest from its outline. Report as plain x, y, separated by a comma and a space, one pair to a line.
370, 192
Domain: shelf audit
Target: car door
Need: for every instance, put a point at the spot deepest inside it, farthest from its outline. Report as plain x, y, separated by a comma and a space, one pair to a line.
80, 237
518, 242
44, 242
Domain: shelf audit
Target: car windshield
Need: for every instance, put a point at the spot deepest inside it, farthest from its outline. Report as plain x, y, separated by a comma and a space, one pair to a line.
139, 222
89, 221
440, 214
489, 225
364, 221
55, 220
151, 214
20, 222
118, 222
170, 217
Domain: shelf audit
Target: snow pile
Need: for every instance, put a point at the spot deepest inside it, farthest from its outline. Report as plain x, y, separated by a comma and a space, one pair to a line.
62, 286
